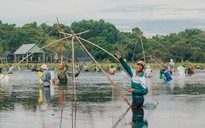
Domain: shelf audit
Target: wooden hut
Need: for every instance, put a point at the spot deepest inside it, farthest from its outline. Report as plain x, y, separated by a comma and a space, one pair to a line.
25, 50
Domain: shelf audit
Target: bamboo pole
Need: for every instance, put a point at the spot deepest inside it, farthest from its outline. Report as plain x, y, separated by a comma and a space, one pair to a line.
142, 48
61, 44
114, 85
73, 81
36, 51
134, 52
77, 33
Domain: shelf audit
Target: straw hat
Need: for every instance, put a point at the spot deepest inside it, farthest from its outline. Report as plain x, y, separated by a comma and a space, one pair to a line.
141, 63
44, 66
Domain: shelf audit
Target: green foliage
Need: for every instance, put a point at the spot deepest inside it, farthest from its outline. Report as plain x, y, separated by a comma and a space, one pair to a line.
187, 45
97, 28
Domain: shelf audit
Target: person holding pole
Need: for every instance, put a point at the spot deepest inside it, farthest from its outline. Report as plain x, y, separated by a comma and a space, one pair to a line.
138, 84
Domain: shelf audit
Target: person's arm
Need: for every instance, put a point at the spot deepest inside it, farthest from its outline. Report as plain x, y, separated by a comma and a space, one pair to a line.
142, 91
124, 64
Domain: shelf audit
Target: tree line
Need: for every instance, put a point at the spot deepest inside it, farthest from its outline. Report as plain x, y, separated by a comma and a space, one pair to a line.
187, 45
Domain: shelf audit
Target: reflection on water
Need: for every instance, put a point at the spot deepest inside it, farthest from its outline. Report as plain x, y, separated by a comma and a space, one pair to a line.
44, 97
138, 119
24, 103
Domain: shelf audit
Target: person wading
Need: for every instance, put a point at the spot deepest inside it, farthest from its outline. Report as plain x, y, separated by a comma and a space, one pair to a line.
165, 75
45, 76
112, 70
62, 74
138, 84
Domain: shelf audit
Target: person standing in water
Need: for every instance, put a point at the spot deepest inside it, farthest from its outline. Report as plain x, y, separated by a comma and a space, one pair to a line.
11, 69
138, 84
62, 74
165, 75
171, 66
112, 70
139, 121
45, 76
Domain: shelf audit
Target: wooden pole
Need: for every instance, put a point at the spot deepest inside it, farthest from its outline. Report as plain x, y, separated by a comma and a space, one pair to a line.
73, 85
61, 44
142, 48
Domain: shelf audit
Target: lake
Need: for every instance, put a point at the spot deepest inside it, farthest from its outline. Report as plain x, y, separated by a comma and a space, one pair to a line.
24, 104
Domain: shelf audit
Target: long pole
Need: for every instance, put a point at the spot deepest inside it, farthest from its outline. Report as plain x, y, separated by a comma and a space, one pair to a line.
142, 48
61, 44
73, 84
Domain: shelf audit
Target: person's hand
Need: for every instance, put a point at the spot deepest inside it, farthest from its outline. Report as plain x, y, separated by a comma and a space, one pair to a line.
132, 90
117, 54
132, 123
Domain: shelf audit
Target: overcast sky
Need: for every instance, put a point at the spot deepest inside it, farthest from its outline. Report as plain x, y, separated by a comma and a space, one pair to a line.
151, 16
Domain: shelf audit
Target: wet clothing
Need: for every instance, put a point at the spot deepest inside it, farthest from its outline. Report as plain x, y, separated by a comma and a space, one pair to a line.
46, 78
189, 71
167, 76
137, 82
46, 94
136, 106
138, 119
62, 75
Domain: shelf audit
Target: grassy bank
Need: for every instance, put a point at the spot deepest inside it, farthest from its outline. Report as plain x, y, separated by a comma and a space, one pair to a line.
92, 65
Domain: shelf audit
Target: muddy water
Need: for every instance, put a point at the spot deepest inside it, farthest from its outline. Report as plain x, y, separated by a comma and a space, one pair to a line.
98, 104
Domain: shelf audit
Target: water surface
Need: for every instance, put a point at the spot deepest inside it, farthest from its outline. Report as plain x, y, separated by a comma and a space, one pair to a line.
98, 104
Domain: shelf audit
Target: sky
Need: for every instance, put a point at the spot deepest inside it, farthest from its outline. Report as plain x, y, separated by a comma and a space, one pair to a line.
151, 16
